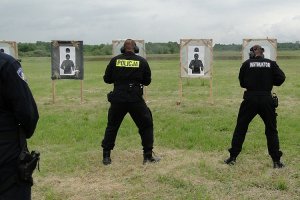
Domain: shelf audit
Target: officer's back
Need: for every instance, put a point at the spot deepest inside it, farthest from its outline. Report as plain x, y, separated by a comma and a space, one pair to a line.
128, 67
260, 74
18, 111
129, 73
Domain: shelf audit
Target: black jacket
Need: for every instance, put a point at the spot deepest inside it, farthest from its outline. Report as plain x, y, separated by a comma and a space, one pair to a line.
17, 110
17, 106
260, 74
128, 72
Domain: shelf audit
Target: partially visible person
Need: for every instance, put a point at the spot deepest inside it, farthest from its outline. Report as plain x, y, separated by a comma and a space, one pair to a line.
258, 75
129, 73
18, 116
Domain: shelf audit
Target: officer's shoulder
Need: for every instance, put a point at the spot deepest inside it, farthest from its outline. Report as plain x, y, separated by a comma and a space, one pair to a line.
141, 58
268, 60
247, 61
114, 58
6, 59
118, 56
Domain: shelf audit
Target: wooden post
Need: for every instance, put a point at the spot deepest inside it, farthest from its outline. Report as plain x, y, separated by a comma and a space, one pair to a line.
53, 91
81, 91
211, 91
180, 91
145, 94
211, 74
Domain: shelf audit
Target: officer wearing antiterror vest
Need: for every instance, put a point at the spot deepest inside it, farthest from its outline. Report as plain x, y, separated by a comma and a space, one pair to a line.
258, 75
18, 113
129, 73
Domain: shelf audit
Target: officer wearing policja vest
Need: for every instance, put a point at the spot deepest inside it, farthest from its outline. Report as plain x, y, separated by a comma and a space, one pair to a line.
129, 73
258, 75
18, 120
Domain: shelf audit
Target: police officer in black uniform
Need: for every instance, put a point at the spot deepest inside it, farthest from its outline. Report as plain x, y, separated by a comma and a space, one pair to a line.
258, 75
129, 73
18, 111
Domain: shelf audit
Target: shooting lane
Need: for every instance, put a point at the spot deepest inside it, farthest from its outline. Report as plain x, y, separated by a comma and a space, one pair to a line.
67, 63
196, 61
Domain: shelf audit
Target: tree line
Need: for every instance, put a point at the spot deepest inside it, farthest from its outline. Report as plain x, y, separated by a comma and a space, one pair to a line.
43, 49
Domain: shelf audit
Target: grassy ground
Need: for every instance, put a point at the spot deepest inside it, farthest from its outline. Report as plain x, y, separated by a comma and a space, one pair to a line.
192, 138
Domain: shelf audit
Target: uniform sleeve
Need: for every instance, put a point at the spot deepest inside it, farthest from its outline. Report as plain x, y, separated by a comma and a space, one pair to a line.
20, 99
241, 75
108, 72
146, 74
278, 75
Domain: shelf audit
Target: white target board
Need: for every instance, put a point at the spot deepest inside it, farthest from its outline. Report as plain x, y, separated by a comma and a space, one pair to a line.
196, 58
269, 45
10, 48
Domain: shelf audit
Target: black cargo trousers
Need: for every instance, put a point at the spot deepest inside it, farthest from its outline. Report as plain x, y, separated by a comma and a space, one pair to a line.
263, 105
141, 116
10, 185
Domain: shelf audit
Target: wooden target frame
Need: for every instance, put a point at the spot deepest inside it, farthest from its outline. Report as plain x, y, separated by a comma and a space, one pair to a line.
188, 64
60, 49
117, 44
10, 48
269, 44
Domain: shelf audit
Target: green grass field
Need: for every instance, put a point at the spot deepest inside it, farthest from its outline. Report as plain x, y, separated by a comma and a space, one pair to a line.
192, 139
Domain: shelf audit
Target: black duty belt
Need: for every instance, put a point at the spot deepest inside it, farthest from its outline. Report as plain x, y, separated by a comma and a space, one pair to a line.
9, 136
257, 93
128, 85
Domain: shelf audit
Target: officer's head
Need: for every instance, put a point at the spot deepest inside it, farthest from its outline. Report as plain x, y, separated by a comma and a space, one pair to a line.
68, 56
196, 56
130, 46
257, 50
2, 50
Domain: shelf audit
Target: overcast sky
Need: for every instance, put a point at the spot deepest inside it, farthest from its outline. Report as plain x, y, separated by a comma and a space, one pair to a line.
101, 21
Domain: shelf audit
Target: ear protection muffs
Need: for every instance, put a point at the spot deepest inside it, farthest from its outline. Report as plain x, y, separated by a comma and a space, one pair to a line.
251, 53
135, 48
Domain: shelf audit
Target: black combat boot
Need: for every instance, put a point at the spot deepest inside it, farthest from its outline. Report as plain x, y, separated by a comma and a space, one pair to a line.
149, 158
278, 164
230, 161
106, 158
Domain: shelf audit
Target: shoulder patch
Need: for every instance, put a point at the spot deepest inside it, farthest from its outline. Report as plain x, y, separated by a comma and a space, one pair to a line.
21, 74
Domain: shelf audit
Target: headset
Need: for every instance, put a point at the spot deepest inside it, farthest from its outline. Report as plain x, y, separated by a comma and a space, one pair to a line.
135, 48
252, 54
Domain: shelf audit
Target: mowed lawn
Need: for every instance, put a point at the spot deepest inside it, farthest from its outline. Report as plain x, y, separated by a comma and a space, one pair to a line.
191, 138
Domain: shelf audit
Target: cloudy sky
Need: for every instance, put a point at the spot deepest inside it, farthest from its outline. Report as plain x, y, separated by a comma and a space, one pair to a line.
101, 21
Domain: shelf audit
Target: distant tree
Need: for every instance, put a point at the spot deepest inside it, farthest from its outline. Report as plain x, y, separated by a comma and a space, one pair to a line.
288, 46
227, 47
25, 47
41, 48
